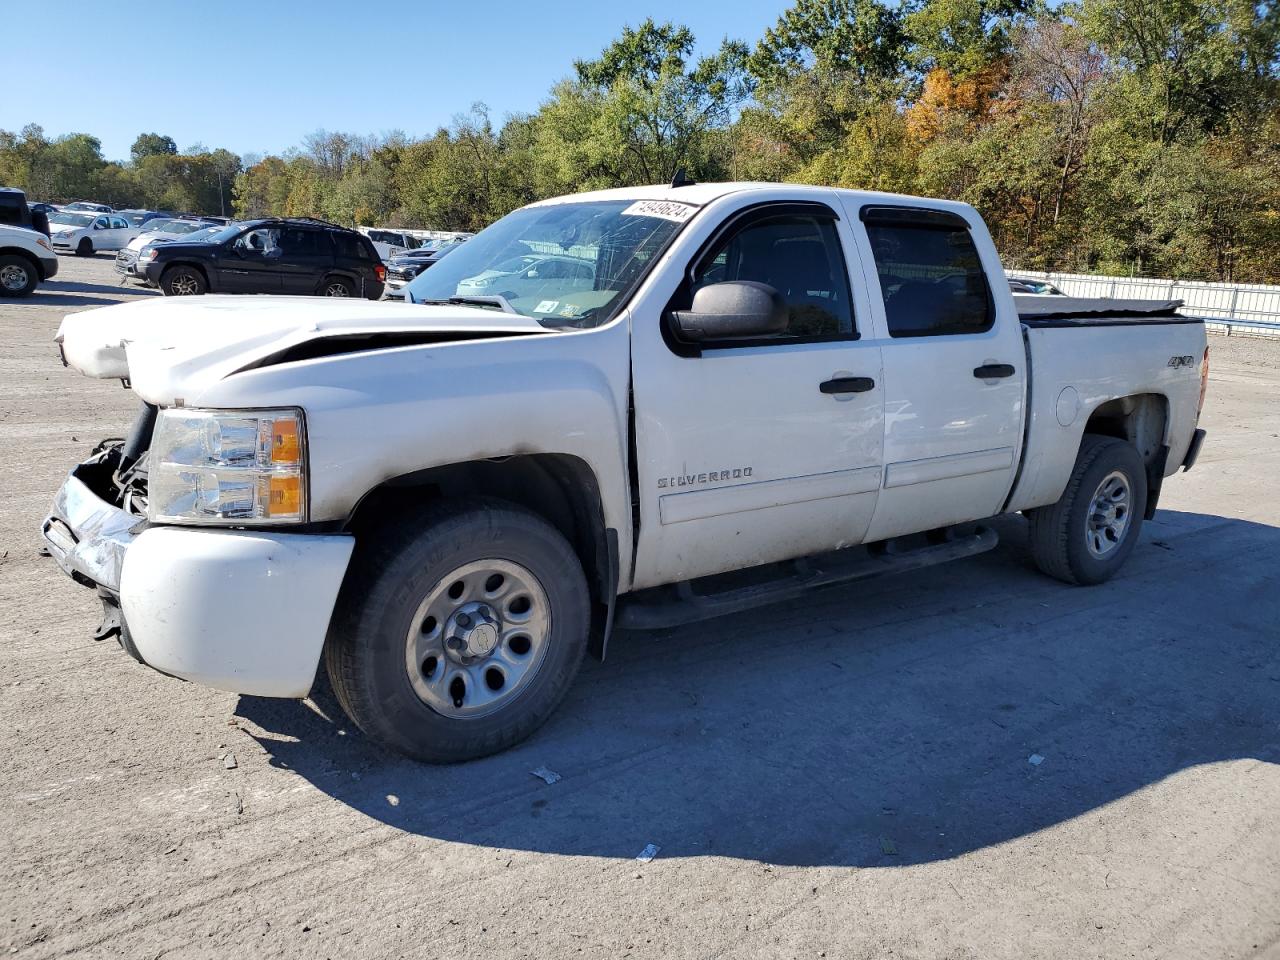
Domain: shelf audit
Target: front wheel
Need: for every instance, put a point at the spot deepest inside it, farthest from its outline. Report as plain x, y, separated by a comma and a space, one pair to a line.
1089, 533
182, 282
84, 248
18, 278
459, 631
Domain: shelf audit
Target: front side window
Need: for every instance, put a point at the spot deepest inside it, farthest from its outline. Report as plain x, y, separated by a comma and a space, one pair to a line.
563, 264
931, 279
800, 257
265, 241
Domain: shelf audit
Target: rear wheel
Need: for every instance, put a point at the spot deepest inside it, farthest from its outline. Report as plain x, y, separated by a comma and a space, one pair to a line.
18, 277
459, 632
1089, 533
337, 287
84, 248
182, 281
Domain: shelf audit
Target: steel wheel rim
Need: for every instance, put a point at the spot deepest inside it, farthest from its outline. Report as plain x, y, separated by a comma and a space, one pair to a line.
13, 276
335, 290
478, 638
1109, 513
184, 285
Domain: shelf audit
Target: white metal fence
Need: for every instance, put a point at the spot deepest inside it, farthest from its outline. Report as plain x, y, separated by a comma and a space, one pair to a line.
1242, 309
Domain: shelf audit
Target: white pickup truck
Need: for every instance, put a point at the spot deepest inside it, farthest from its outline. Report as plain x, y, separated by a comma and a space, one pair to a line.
628, 408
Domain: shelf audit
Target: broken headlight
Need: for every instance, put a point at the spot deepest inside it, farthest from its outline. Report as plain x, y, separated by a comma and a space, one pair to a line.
228, 467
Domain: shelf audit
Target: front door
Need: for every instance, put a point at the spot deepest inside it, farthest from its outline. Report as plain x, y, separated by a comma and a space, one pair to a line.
954, 370
759, 450
251, 262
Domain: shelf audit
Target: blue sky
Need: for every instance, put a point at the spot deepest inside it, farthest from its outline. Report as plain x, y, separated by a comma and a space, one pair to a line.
255, 77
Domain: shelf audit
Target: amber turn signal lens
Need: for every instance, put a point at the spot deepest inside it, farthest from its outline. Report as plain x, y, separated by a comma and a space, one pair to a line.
284, 496
285, 447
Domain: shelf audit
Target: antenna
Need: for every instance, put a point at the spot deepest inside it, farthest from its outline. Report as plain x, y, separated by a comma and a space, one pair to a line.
681, 180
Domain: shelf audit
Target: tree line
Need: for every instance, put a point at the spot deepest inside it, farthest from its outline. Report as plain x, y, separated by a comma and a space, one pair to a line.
1108, 136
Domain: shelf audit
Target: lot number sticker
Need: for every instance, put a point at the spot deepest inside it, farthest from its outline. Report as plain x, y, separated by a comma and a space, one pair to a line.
665, 209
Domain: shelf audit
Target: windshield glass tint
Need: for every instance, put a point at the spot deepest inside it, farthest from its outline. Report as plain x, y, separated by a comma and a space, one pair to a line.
565, 264
72, 219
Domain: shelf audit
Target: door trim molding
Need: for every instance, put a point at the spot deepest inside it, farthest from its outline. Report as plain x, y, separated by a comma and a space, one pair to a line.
908, 472
763, 494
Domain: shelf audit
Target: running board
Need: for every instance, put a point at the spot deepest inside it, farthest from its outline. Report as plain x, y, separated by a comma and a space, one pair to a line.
692, 600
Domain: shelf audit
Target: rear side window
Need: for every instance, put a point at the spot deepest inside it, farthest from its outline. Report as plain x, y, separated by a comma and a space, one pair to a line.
302, 243
931, 279
352, 245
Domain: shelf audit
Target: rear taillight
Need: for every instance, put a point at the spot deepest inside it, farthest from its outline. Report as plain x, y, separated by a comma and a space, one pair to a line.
380, 272
1204, 382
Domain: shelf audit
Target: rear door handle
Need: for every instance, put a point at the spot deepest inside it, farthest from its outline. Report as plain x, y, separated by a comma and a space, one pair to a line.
993, 371
847, 385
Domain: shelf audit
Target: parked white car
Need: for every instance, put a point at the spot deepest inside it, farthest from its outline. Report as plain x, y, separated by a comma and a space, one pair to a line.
762, 389
530, 275
26, 260
86, 233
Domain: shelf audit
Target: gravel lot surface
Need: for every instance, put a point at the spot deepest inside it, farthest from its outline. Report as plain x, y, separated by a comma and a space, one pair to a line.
846, 776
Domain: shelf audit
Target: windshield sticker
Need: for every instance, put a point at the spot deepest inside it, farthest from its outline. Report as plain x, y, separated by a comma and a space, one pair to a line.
663, 209
547, 306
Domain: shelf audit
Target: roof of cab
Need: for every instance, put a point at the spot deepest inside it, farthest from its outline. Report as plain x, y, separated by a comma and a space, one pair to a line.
700, 194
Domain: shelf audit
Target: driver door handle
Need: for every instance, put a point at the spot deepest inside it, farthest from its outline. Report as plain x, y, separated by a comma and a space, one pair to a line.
847, 385
993, 371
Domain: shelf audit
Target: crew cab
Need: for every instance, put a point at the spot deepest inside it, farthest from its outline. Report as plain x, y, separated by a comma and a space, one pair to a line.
760, 389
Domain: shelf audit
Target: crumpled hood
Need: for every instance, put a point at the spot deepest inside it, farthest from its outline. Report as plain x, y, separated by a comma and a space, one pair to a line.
172, 347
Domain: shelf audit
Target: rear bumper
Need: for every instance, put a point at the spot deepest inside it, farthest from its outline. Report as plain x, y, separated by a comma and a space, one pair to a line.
245, 611
1193, 451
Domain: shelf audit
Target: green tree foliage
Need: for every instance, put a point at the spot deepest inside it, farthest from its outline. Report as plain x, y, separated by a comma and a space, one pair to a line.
1100, 135
151, 145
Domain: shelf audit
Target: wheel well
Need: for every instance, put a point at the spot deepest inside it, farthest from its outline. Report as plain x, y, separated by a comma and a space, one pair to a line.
25, 255
1141, 420
559, 488
187, 263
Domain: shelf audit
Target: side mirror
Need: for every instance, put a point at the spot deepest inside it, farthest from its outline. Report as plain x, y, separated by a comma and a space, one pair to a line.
733, 309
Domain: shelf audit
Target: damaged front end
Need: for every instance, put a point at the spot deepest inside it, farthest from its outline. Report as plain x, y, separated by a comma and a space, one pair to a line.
97, 513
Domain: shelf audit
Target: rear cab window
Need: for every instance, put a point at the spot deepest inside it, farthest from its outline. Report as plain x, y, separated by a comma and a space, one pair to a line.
931, 276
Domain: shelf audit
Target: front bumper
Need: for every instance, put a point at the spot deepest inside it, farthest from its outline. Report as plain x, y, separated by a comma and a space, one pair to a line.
126, 265
50, 266
240, 610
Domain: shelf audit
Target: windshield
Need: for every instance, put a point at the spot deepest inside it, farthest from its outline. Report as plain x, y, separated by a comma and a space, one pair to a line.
564, 264
72, 219
226, 233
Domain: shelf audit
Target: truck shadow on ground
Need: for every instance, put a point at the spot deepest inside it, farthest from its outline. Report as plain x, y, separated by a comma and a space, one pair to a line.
889, 723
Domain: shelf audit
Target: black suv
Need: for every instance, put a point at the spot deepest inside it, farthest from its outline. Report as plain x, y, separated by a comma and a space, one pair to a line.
298, 256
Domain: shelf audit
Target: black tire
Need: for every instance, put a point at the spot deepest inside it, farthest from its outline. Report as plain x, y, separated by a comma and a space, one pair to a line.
84, 248
183, 281
337, 287
1059, 534
18, 276
395, 569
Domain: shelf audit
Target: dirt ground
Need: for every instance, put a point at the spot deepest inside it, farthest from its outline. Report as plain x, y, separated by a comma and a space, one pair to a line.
847, 776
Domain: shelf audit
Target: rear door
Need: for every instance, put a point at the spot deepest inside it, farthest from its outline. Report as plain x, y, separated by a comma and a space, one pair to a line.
758, 450
306, 257
954, 369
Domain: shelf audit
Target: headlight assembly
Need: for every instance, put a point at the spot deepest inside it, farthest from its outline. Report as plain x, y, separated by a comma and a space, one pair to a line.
228, 467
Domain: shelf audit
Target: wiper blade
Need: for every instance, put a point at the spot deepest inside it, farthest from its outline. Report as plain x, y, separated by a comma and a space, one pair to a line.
496, 300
